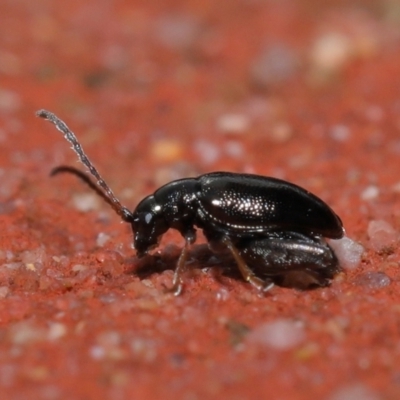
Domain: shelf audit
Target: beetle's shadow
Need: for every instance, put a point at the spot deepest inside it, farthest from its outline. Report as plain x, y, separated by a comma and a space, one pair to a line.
222, 265
199, 257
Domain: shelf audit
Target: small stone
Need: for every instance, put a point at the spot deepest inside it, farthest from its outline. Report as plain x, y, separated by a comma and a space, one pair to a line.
120, 378
222, 295
109, 339
167, 150
13, 265
281, 334
340, 133
348, 252
233, 123
26, 332
4, 290
102, 239
37, 373
177, 30
274, 64
281, 132
31, 257
373, 280
370, 192
354, 391
79, 267
30, 267
144, 349
331, 52
86, 202
57, 330
207, 151
381, 234
234, 149
97, 352
10, 101
307, 352
62, 260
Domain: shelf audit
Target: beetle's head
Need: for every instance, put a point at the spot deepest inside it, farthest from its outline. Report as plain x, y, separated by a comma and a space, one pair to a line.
148, 225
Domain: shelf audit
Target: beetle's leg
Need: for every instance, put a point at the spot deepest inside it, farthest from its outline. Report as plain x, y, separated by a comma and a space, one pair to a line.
177, 281
247, 273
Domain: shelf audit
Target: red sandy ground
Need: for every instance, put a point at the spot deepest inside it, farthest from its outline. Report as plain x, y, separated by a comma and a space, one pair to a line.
147, 87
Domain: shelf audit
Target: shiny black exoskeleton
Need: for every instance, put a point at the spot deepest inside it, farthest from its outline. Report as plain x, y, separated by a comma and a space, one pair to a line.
270, 226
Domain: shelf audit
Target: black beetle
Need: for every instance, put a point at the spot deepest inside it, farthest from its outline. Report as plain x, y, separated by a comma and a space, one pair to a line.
269, 225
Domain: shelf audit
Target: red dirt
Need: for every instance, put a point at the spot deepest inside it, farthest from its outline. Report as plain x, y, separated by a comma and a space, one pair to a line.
307, 91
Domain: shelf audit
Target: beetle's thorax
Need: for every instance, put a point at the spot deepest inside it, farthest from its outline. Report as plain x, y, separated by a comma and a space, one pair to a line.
171, 206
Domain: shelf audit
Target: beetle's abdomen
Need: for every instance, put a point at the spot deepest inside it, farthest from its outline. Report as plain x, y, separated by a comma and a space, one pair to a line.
252, 203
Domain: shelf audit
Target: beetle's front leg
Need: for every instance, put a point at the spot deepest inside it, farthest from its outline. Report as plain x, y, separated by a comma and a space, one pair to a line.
248, 275
177, 281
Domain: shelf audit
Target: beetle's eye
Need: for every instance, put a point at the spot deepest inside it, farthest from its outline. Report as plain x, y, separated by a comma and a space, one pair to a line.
148, 217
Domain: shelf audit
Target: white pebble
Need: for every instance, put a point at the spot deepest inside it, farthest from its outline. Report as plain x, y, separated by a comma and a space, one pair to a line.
109, 339
12, 265
281, 132
222, 294
37, 255
381, 234
79, 268
340, 133
97, 352
233, 123
373, 280
354, 391
207, 151
26, 332
56, 331
85, 201
9, 255
234, 149
347, 251
4, 290
370, 192
9, 101
102, 239
146, 349
281, 334
177, 31
331, 52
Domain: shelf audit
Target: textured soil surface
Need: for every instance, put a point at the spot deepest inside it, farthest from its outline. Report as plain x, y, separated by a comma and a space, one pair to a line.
306, 91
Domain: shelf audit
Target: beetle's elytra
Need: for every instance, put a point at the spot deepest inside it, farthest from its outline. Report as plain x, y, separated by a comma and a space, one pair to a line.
270, 226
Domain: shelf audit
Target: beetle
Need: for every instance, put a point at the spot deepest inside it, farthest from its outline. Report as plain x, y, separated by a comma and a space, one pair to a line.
270, 226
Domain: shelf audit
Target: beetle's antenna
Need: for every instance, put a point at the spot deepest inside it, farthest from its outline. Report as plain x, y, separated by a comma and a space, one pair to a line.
62, 169
105, 192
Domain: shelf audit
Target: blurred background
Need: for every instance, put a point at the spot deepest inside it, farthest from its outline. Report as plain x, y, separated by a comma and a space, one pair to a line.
234, 86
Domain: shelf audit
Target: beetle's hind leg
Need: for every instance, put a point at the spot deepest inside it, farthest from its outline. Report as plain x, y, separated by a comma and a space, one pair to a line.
262, 285
291, 259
